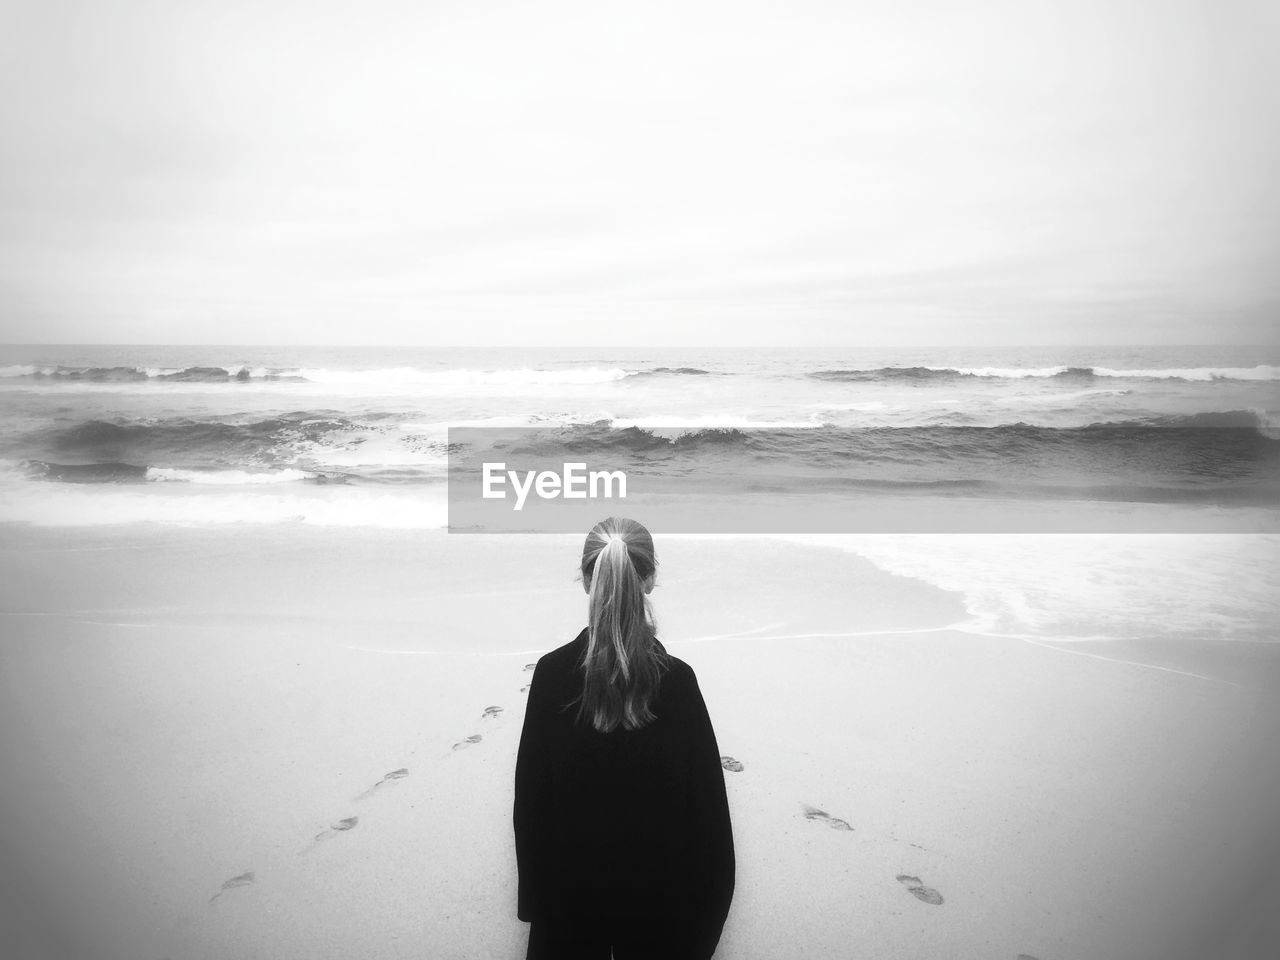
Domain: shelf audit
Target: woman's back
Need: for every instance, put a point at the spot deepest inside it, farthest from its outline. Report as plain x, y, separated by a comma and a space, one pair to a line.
627, 827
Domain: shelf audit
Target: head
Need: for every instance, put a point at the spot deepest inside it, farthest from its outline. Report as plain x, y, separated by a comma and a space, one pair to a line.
622, 665
623, 536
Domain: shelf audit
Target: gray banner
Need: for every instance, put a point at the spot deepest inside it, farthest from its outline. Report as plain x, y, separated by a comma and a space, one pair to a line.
962, 480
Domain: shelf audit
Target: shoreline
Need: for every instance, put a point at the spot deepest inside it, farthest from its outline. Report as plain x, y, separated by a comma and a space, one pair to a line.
63, 505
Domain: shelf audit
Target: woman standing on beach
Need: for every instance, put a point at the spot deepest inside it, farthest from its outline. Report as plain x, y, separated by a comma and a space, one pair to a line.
622, 830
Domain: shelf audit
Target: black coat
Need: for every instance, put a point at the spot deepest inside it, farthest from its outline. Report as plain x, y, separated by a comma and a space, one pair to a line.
631, 825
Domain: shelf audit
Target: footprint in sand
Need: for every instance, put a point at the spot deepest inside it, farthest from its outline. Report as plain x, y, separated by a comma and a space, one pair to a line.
389, 778
341, 826
731, 764
813, 813
463, 744
490, 712
920, 891
241, 881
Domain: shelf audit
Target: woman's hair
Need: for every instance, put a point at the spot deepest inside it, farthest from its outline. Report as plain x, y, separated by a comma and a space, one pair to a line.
622, 665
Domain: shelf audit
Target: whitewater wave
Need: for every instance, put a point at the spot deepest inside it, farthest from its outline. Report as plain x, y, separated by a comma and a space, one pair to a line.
226, 477
1228, 426
196, 442
1219, 458
1260, 372
1052, 398
14, 470
1268, 423
290, 440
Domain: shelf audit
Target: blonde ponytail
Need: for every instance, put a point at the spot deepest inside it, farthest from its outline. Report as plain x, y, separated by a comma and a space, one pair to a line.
622, 665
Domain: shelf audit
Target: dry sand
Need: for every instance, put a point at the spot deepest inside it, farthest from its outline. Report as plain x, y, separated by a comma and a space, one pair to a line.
254, 743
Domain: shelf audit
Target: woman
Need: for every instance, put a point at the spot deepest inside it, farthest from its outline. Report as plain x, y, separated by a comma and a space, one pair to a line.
623, 838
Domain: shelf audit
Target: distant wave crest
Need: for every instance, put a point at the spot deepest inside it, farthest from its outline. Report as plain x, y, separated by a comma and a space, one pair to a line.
1260, 372
585, 376
389, 376
232, 374
118, 472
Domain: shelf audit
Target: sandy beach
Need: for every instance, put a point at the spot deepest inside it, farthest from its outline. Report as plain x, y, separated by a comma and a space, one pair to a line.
266, 742
935, 344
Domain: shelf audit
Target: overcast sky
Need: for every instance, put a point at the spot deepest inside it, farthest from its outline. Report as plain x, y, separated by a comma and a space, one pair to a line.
479, 172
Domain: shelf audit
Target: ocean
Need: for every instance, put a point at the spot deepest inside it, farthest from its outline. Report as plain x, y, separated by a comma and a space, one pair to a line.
358, 437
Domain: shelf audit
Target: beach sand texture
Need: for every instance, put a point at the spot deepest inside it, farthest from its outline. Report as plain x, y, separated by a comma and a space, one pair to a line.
299, 743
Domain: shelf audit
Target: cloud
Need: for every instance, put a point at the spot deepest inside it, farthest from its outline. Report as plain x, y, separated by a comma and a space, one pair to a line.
281, 172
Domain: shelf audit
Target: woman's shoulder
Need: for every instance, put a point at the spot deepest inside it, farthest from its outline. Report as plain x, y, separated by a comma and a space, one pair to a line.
568, 654
678, 669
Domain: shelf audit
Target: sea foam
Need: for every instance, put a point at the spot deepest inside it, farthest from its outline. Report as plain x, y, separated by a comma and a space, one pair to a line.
225, 477
1092, 586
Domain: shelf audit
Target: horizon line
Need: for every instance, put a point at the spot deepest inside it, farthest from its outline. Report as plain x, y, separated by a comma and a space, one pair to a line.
652, 346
